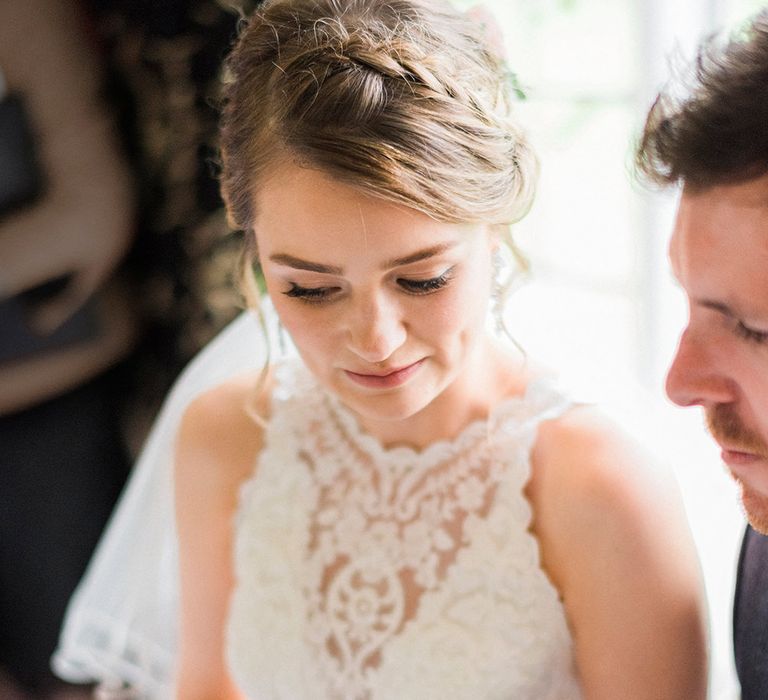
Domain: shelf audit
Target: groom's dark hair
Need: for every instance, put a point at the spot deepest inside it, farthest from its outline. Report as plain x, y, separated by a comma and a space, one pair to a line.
710, 125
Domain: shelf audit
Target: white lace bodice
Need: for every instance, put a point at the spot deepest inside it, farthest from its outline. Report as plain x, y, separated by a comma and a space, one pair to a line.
393, 574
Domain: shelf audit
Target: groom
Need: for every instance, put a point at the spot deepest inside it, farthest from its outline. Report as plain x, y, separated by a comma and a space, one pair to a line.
714, 142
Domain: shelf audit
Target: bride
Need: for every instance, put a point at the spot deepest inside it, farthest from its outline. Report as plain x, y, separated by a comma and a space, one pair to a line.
411, 507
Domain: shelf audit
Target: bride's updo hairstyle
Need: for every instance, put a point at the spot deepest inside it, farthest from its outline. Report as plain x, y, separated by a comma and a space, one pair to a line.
403, 99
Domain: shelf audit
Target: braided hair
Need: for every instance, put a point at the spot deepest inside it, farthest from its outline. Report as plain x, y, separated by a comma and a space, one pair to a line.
401, 98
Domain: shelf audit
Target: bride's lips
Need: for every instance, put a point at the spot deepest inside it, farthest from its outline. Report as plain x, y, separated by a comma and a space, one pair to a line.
387, 379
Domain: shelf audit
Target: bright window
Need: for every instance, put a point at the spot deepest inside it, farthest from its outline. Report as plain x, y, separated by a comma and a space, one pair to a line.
600, 305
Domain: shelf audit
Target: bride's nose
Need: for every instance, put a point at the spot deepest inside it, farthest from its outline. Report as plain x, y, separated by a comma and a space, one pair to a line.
376, 328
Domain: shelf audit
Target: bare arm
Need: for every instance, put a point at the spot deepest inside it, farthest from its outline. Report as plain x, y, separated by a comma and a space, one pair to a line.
616, 543
216, 452
83, 223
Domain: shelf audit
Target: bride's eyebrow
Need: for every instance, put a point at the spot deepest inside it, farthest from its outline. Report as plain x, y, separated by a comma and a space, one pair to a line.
419, 255
299, 264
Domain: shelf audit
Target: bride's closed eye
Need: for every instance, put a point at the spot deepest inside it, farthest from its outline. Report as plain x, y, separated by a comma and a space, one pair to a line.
417, 287
426, 286
313, 295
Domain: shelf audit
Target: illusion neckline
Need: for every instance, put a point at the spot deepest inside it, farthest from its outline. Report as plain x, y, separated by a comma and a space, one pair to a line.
505, 410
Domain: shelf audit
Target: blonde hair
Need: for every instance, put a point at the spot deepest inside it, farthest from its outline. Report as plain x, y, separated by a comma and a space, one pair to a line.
400, 98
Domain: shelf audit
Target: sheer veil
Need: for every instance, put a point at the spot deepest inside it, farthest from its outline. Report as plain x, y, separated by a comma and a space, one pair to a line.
120, 626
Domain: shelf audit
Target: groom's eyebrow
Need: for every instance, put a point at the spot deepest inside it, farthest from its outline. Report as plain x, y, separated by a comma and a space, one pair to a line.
732, 311
717, 306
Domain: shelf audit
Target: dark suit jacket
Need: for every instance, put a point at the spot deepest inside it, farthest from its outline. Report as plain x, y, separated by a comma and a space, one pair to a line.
750, 617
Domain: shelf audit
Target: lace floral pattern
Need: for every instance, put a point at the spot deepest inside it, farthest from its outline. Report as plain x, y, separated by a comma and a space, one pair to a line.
372, 573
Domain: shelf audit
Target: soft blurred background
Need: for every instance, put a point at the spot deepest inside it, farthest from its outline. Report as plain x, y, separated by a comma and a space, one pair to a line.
116, 266
121, 99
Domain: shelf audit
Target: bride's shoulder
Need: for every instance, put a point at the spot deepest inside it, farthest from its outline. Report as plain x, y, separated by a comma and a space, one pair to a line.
592, 483
584, 447
221, 433
586, 454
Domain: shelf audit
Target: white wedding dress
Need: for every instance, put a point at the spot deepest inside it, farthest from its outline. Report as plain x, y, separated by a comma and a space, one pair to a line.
362, 572
393, 574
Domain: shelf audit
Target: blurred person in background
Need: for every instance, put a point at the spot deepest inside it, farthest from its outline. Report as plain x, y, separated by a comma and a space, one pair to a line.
66, 220
164, 58
158, 66
712, 138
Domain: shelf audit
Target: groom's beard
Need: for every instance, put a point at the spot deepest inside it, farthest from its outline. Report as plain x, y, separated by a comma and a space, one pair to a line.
727, 428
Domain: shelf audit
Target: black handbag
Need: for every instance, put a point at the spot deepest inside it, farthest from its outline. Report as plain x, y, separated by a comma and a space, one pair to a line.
21, 179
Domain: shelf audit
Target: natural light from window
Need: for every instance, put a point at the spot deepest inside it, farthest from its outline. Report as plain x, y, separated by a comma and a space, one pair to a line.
600, 305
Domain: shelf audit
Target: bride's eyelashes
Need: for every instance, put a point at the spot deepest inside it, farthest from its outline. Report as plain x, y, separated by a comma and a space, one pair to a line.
417, 287
313, 295
426, 286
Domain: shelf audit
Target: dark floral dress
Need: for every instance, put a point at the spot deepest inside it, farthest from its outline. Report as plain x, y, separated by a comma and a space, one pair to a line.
165, 60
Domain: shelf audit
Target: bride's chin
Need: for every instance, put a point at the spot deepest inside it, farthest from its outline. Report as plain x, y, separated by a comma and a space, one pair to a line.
387, 407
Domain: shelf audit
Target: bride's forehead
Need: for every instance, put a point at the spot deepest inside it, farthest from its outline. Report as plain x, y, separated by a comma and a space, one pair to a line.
307, 208
295, 191
384, 247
